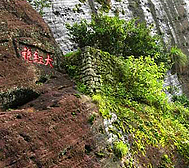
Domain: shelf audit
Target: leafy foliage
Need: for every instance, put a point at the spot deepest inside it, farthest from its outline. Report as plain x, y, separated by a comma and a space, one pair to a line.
121, 149
181, 99
118, 37
70, 63
142, 79
178, 58
82, 88
134, 89
143, 110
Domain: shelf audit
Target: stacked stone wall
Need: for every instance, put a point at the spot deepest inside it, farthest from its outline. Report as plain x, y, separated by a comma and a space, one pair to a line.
93, 67
89, 73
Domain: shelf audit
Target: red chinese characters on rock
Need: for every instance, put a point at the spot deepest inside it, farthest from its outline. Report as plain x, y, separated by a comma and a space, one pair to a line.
27, 55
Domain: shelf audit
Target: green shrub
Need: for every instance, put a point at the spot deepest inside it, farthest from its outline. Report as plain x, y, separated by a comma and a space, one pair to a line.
103, 103
70, 63
140, 79
82, 88
118, 37
178, 59
139, 102
182, 99
72, 54
120, 149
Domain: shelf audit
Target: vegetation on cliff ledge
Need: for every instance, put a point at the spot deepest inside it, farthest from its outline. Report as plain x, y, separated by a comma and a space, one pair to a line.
155, 128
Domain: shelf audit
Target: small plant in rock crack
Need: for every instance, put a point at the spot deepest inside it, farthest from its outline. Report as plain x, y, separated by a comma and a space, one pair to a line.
39, 5
82, 88
120, 149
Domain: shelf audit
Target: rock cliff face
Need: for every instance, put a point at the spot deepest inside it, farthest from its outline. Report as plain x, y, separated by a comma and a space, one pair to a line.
22, 27
169, 17
49, 127
22, 30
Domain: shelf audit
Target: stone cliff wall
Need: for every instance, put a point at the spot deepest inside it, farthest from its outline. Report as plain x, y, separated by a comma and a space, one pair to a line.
169, 17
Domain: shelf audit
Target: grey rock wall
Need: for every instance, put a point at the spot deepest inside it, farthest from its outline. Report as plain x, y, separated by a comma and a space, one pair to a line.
62, 12
169, 17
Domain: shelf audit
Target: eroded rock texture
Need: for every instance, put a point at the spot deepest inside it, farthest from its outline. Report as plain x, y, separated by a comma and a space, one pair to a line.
49, 126
50, 131
21, 26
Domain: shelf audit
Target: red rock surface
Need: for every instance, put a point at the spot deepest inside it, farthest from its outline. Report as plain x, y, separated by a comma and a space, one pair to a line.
21, 25
52, 130
57, 136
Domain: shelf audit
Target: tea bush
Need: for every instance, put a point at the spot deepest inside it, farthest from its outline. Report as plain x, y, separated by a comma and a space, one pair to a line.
120, 149
134, 92
143, 110
118, 37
